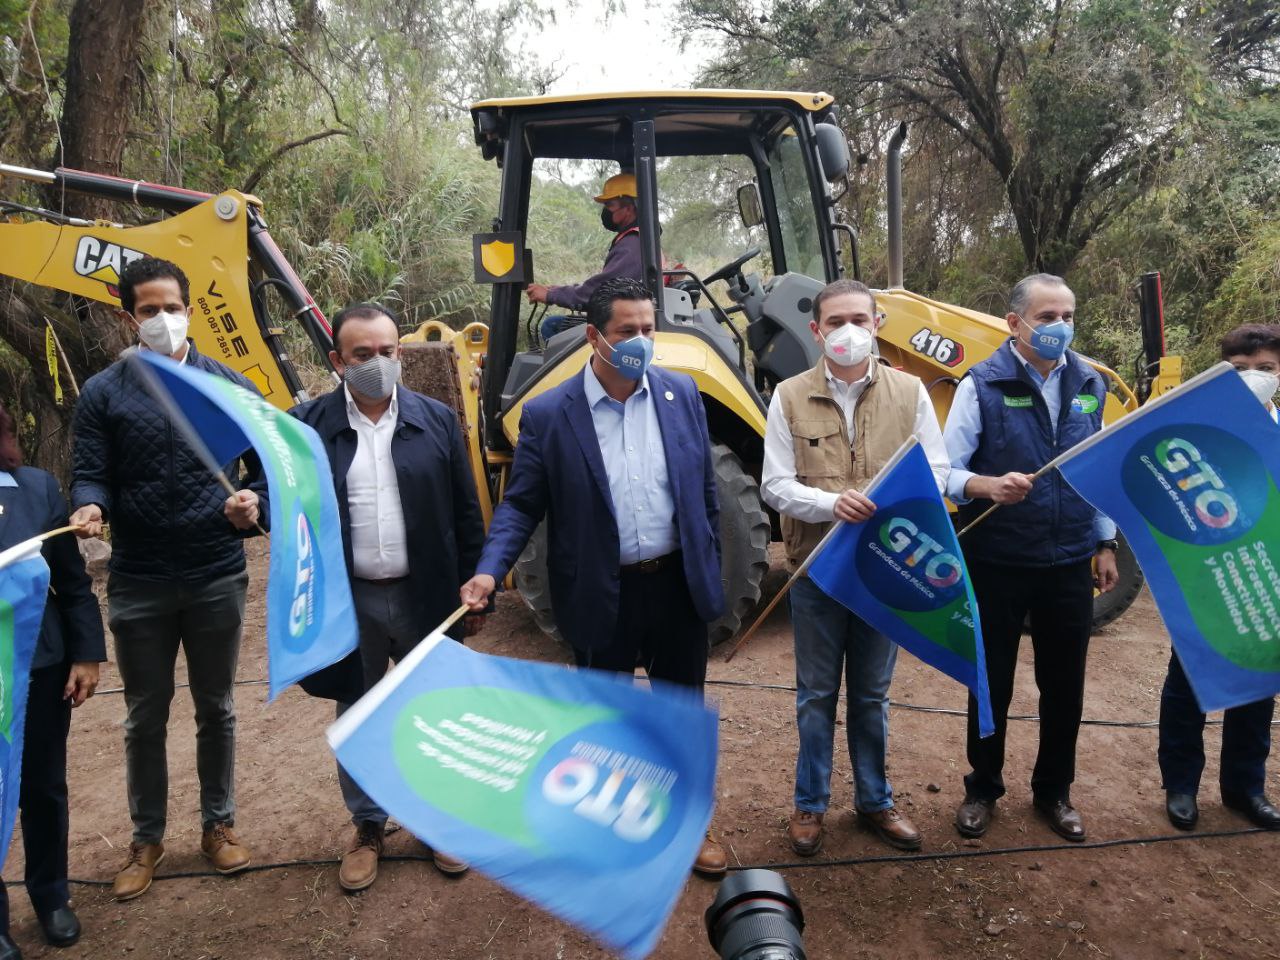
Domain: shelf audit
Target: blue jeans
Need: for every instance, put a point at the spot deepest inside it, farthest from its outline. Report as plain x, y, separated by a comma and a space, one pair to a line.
830, 639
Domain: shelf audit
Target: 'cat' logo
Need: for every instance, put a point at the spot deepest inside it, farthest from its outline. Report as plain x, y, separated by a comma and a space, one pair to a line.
103, 260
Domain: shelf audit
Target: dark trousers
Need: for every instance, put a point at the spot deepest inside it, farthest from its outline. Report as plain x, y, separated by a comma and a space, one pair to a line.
1059, 601
43, 795
657, 627
385, 615
1246, 740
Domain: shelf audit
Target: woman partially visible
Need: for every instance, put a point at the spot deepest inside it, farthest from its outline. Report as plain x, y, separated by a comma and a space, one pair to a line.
1254, 350
64, 674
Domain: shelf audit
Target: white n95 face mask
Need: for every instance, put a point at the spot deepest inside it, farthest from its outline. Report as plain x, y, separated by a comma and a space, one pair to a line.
848, 345
164, 333
1263, 385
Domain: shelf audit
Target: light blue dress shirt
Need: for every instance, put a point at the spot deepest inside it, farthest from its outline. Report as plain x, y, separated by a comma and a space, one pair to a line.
636, 465
964, 428
7, 480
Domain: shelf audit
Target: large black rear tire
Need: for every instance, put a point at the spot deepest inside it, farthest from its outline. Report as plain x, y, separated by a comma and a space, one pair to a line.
744, 547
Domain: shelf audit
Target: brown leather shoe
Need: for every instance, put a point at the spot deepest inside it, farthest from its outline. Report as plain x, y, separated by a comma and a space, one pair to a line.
223, 850
893, 828
139, 870
974, 816
1063, 818
711, 861
805, 832
359, 867
450, 866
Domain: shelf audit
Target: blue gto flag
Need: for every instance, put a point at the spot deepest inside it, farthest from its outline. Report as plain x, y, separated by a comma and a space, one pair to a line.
24, 590
903, 573
1191, 479
588, 796
311, 620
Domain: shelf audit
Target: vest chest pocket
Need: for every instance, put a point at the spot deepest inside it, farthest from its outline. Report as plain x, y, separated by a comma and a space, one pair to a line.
820, 448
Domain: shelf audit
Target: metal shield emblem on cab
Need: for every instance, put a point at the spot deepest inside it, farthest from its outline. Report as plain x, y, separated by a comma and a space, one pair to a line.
498, 257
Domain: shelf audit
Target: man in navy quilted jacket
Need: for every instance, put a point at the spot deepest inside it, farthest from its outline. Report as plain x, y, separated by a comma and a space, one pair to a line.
177, 571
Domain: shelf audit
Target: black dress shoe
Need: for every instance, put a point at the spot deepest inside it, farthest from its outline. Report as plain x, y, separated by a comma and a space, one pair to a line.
974, 816
1258, 809
8, 949
61, 927
1182, 810
1063, 818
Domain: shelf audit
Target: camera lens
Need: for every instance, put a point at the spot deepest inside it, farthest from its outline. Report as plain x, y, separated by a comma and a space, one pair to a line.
755, 916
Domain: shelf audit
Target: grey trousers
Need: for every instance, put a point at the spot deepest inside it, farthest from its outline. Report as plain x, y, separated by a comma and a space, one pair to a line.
386, 633
149, 621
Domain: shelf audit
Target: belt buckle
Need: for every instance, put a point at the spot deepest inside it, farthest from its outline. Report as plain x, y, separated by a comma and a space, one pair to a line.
652, 565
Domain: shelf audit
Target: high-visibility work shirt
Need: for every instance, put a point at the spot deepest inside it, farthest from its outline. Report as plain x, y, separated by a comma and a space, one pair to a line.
378, 544
635, 463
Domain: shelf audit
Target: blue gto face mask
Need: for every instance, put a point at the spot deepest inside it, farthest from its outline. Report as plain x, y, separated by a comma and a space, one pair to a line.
1050, 340
631, 357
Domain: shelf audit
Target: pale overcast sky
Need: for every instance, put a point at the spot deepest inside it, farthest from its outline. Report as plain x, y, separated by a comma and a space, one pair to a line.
637, 49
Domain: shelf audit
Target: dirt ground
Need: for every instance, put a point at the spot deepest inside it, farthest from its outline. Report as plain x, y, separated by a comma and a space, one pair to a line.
1199, 897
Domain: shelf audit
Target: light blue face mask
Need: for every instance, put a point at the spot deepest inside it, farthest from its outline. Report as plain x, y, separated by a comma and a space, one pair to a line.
631, 357
1050, 340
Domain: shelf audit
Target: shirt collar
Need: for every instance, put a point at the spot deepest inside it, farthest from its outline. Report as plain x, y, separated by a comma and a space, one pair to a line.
838, 384
7, 479
594, 390
354, 412
1026, 364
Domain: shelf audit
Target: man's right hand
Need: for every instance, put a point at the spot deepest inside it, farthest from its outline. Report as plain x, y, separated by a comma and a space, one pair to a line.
854, 507
1010, 488
88, 521
475, 593
536, 292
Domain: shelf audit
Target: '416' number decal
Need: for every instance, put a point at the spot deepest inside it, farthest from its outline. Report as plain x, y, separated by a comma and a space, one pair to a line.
943, 349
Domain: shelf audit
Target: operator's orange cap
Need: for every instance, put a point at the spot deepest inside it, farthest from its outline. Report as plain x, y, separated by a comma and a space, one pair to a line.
620, 185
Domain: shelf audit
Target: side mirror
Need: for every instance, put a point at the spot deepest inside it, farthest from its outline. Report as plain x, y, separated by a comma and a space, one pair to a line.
750, 209
833, 151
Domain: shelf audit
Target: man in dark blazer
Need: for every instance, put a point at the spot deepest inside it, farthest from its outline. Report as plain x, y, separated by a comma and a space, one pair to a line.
64, 673
618, 459
411, 531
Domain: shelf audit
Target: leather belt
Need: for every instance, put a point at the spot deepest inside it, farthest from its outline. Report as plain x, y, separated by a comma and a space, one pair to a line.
654, 564
383, 583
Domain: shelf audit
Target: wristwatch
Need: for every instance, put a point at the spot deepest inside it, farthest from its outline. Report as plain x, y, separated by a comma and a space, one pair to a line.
1112, 545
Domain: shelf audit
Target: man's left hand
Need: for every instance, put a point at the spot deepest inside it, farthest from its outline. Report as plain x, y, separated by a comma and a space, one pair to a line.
81, 683
536, 292
242, 509
1105, 573
472, 624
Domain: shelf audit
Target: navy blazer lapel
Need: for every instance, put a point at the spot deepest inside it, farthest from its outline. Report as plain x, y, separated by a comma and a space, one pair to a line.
673, 429
335, 430
578, 413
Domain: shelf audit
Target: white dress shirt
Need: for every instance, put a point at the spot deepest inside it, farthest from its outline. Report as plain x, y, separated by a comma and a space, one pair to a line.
378, 547
786, 494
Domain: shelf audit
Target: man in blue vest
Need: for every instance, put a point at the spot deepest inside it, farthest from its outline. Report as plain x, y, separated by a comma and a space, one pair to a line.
617, 201
1042, 553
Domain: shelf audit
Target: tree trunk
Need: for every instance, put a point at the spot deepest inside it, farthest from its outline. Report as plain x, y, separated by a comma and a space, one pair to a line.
102, 52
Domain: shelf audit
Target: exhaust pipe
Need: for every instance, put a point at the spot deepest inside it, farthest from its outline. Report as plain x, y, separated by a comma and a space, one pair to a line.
893, 177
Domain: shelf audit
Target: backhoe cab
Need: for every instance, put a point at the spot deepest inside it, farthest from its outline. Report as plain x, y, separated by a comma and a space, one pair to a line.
791, 143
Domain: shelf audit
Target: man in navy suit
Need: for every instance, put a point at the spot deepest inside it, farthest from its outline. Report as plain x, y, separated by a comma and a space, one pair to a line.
618, 459
411, 532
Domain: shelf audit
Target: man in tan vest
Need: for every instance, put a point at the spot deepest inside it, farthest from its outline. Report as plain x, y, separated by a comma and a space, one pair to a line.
829, 431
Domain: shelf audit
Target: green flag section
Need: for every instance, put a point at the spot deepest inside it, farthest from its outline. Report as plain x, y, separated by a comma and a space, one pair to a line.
1193, 480
581, 792
311, 619
24, 590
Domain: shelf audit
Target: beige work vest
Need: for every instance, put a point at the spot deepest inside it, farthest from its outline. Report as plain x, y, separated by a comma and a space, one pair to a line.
884, 416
